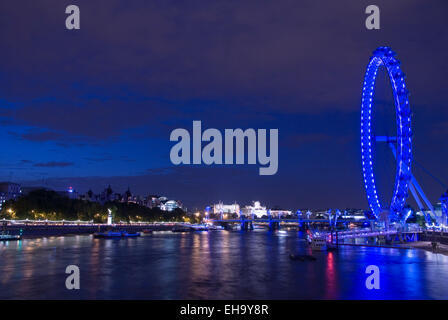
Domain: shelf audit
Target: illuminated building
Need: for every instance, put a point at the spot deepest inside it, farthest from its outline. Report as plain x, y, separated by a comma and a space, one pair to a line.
152, 201
10, 190
278, 213
226, 208
256, 210
170, 205
2, 199
444, 208
72, 193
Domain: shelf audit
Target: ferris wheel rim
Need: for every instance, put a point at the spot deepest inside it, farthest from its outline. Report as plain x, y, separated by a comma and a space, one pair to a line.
384, 56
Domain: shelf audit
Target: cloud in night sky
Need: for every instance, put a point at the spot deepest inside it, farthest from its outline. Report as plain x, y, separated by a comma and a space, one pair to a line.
54, 164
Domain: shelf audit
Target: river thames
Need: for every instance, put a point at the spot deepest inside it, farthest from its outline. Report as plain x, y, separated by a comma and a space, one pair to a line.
213, 265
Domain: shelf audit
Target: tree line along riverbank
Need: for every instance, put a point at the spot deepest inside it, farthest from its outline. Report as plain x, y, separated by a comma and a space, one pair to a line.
49, 205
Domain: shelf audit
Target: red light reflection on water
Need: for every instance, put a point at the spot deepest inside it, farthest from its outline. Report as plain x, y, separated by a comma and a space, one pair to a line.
331, 283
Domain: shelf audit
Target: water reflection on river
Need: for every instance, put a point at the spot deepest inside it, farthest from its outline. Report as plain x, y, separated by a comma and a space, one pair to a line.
214, 265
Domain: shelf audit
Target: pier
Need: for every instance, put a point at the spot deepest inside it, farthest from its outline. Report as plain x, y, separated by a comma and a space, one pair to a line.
435, 236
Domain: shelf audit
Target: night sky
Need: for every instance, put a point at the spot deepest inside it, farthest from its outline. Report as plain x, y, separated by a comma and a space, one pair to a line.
92, 107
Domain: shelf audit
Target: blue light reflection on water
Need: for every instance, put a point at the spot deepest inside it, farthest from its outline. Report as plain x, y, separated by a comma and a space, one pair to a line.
214, 265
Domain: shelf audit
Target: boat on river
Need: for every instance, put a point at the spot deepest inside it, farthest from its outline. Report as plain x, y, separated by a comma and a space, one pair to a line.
107, 235
115, 235
318, 244
9, 237
180, 228
130, 234
199, 227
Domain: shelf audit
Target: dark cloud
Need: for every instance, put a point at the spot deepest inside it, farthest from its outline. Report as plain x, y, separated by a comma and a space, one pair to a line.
41, 136
270, 55
99, 159
54, 164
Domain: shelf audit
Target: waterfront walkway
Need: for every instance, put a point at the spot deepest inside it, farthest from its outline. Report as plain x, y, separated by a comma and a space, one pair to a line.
427, 246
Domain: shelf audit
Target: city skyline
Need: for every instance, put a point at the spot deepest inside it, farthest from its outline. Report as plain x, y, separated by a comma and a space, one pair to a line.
12, 190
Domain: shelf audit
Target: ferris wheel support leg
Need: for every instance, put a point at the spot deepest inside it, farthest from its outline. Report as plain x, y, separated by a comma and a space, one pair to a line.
416, 197
413, 185
422, 194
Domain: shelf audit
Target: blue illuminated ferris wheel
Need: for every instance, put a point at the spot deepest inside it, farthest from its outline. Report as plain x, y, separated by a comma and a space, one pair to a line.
401, 144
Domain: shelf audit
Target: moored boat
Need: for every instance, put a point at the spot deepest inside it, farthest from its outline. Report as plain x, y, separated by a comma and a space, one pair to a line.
115, 235
318, 244
9, 237
199, 227
181, 229
130, 234
107, 235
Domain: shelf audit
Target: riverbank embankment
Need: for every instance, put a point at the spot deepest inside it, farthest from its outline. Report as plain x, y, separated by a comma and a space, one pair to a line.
31, 231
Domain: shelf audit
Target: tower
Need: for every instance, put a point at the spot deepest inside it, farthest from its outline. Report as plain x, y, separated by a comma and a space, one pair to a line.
109, 217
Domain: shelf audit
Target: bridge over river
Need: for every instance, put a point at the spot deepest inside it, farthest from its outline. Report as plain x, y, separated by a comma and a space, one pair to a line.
337, 237
275, 223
